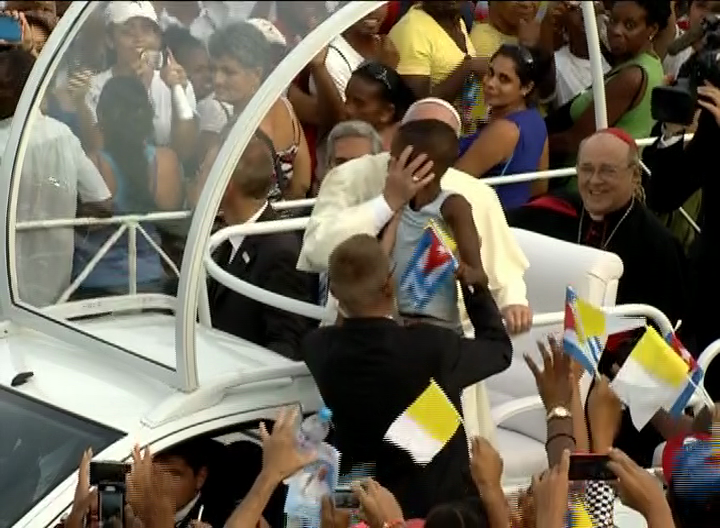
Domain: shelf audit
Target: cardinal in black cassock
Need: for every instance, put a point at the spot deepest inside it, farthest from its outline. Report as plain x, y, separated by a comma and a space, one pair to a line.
609, 214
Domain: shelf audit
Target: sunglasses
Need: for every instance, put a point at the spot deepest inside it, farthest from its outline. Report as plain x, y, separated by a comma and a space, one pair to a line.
378, 72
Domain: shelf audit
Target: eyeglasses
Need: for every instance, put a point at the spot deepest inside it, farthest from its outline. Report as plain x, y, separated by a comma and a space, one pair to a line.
604, 172
378, 72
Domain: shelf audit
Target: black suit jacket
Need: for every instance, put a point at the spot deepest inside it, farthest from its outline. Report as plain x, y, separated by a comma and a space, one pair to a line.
369, 371
268, 262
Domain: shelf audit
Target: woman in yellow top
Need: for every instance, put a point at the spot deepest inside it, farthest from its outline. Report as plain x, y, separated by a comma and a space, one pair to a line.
437, 57
507, 23
628, 85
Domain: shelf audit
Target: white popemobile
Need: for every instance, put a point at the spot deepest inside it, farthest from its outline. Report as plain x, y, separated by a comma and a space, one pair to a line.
147, 368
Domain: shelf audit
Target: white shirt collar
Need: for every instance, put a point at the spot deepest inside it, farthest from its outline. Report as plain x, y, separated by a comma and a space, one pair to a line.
237, 240
180, 515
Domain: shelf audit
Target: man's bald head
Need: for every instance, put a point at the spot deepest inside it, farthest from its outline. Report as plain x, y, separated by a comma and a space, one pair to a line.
434, 108
614, 139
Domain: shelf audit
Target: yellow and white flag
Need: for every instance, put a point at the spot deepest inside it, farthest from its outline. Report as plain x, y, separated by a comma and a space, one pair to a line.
426, 426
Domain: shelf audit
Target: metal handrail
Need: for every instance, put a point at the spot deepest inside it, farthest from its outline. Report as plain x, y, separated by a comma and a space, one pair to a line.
285, 204
131, 223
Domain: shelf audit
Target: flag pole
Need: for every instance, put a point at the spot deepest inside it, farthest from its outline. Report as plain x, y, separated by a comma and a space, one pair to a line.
709, 403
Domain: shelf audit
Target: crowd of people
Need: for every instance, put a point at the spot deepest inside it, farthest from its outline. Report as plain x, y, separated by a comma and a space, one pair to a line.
394, 124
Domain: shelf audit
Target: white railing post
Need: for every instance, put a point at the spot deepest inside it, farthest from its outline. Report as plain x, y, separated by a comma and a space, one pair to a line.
596, 64
110, 242
132, 258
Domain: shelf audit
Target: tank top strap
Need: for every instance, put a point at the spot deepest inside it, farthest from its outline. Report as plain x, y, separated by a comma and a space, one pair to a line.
434, 207
293, 120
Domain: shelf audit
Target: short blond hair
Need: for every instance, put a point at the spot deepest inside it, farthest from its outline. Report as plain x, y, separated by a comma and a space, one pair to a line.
358, 271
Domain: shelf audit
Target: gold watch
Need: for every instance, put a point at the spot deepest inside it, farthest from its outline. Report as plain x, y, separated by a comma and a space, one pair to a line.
558, 412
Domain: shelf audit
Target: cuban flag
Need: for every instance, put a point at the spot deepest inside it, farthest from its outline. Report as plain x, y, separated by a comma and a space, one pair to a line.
583, 330
587, 328
431, 265
695, 375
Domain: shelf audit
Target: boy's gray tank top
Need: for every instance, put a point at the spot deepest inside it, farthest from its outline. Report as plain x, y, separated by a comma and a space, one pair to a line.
443, 305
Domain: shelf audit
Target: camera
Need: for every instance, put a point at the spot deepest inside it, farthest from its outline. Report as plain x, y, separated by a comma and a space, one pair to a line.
677, 103
109, 477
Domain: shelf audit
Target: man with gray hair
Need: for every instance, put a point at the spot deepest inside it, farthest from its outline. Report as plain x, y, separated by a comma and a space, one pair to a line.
350, 140
347, 141
362, 195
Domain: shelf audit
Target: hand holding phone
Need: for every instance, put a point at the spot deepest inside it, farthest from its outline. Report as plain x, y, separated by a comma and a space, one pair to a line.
11, 31
346, 500
109, 477
590, 467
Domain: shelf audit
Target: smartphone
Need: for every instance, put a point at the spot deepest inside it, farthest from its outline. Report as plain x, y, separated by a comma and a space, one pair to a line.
590, 467
153, 58
102, 473
111, 506
10, 29
109, 477
346, 500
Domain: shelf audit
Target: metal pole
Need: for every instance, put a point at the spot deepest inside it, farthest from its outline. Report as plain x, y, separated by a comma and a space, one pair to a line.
596, 65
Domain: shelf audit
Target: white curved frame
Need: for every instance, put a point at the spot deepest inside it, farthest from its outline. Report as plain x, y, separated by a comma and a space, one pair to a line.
192, 274
192, 266
12, 308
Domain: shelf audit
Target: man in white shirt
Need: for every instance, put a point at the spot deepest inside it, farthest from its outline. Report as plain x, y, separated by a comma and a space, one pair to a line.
55, 174
354, 199
360, 197
572, 62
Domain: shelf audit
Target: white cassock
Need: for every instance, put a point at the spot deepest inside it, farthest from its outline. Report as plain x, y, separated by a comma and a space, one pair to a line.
350, 202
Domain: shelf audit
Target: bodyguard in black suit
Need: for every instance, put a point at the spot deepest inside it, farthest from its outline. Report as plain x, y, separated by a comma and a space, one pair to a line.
266, 261
370, 369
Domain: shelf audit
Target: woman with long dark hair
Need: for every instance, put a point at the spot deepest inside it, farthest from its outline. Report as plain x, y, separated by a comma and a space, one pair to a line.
515, 140
142, 178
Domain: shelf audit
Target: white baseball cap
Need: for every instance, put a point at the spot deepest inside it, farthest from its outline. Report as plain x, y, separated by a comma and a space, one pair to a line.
120, 11
267, 28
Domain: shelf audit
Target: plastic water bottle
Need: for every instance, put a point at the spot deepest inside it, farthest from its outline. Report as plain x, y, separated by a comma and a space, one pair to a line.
314, 430
311, 433
303, 511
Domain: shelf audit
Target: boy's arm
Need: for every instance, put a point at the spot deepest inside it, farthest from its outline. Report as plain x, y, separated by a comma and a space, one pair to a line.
457, 214
389, 234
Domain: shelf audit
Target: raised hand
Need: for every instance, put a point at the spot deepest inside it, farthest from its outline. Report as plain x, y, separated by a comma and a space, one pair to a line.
379, 506
604, 411
638, 489
710, 100
405, 178
172, 73
555, 382
550, 491
84, 494
281, 456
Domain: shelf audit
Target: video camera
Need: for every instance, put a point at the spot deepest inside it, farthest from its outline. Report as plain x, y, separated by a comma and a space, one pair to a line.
677, 103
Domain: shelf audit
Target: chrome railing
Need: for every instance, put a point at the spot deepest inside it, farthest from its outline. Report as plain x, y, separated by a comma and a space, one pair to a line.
131, 224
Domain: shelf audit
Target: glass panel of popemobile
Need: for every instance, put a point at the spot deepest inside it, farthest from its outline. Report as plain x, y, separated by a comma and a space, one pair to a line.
125, 127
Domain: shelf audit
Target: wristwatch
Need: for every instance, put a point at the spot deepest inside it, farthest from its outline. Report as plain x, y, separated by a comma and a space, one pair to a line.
559, 412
